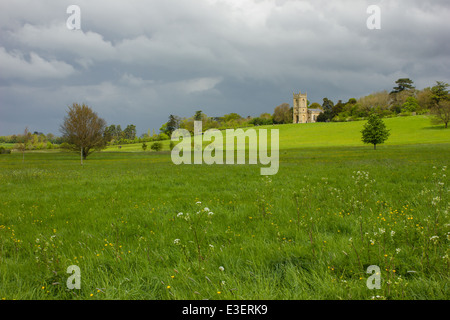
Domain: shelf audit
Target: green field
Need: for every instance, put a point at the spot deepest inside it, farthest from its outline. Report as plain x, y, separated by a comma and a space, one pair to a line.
334, 208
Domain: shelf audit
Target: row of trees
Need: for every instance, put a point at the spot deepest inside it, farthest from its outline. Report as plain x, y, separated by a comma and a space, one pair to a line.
84, 131
404, 99
38, 140
114, 133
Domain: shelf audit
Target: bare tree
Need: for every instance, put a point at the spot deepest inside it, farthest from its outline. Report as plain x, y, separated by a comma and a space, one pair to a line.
83, 130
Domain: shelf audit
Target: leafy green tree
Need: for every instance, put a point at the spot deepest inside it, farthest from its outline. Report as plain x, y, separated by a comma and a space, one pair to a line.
410, 105
282, 114
424, 99
337, 108
83, 130
172, 125
400, 93
441, 103
129, 132
375, 131
322, 117
118, 134
315, 105
198, 115
327, 114
403, 84
109, 133
231, 116
327, 104
156, 146
144, 146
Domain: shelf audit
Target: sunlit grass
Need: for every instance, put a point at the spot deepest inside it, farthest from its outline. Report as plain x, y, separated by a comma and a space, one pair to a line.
308, 232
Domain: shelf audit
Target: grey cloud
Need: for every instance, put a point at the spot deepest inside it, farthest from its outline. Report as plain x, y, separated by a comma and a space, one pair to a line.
139, 61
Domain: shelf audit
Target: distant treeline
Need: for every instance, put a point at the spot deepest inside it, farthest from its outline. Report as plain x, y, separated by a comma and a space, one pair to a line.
404, 99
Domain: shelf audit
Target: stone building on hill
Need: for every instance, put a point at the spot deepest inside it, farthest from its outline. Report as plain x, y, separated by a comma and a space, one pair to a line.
303, 114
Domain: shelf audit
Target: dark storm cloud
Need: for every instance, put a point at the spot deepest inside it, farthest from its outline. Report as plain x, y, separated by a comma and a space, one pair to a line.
139, 61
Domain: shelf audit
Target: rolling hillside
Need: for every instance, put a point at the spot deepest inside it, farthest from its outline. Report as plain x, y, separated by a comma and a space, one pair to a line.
404, 130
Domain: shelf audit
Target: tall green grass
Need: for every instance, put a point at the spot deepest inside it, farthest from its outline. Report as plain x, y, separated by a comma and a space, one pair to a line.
308, 232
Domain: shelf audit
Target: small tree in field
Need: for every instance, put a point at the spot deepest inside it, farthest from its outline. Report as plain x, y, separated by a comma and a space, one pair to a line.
23, 142
156, 146
83, 130
441, 103
374, 131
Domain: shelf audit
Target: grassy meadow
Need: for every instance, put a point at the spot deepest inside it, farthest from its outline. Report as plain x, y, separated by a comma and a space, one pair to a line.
140, 227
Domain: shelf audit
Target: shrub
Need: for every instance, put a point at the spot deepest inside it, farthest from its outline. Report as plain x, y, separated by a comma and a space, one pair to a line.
163, 136
156, 146
65, 145
3, 150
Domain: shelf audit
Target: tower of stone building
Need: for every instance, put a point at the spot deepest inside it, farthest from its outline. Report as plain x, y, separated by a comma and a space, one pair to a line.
300, 108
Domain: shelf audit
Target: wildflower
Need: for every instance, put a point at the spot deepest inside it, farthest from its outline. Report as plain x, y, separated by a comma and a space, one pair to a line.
434, 238
392, 233
210, 213
397, 250
206, 209
168, 287
176, 241
198, 202
179, 214
221, 268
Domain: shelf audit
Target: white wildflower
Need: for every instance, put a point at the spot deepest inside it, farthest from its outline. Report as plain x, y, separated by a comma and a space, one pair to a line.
221, 268
176, 241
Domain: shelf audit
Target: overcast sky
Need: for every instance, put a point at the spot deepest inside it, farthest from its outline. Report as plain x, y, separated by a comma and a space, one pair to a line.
136, 62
